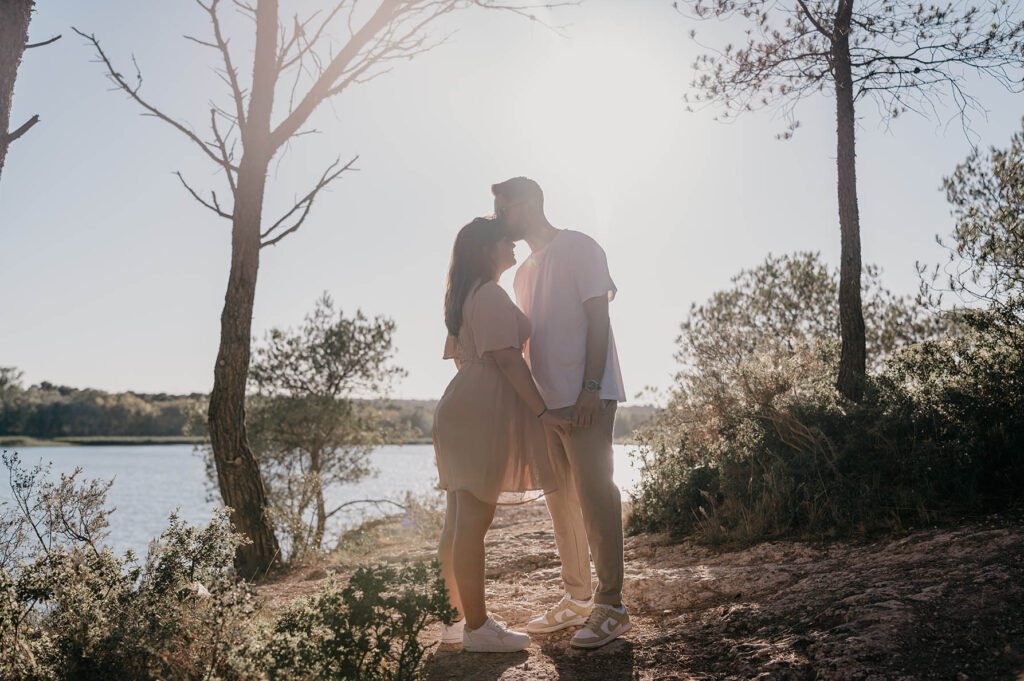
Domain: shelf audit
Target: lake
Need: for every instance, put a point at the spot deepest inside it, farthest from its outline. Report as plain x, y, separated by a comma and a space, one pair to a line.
152, 481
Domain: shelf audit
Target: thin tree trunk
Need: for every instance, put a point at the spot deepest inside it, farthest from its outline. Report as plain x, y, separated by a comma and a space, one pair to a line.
238, 474
14, 19
321, 511
850, 381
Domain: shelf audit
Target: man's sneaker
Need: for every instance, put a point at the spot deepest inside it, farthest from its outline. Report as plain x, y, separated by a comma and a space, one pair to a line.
567, 613
605, 624
452, 633
492, 637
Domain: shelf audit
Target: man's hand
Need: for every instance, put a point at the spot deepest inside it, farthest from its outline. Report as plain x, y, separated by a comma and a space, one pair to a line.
560, 424
585, 411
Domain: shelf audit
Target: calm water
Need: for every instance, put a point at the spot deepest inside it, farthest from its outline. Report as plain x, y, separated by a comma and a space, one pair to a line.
152, 481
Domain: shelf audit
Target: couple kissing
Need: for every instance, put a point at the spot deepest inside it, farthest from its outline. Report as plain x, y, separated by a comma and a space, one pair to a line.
530, 411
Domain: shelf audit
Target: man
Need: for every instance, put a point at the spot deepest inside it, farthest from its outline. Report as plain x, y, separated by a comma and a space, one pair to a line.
564, 287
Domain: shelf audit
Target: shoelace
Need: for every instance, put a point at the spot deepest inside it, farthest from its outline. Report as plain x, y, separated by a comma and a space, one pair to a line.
562, 605
501, 630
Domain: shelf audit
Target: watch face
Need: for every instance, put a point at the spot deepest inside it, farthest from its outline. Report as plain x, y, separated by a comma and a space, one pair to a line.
592, 386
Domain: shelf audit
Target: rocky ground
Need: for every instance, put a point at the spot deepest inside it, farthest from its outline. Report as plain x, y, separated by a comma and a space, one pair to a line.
944, 603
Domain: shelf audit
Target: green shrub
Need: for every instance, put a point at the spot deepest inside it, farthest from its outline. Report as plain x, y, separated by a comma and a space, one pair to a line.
756, 442
365, 631
773, 449
70, 608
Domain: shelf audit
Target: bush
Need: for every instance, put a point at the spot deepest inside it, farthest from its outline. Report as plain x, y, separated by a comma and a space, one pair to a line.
70, 608
775, 450
366, 630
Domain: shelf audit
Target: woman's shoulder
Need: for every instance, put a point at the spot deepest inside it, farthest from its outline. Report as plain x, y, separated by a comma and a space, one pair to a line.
491, 291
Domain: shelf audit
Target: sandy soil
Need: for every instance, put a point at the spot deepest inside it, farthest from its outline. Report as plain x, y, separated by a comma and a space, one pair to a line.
945, 603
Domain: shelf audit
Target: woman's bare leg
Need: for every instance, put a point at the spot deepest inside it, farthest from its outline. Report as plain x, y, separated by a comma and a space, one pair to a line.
472, 520
444, 552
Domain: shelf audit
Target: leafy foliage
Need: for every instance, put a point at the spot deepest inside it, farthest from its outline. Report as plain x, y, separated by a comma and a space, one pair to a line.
307, 426
903, 55
940, 432
986, 255
785, 301
72, 609
756, 442
366, 630
50, 411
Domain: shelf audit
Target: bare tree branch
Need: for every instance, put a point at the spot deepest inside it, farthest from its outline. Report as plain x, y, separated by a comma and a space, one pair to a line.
376, 502
230, 169
304, 204
213, 206
133, 92
9, 137
29, 46
231, 74
817, 24
319, 91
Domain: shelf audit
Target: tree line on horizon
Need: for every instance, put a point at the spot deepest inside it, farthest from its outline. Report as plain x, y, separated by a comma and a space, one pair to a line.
48, 411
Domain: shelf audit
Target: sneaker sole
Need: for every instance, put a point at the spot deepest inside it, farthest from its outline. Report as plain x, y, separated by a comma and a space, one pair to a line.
604, 641
574, 622
473, 649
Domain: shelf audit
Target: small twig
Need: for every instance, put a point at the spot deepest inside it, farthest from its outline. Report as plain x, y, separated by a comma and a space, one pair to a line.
305, 204
52, 40
367, 501
215, 206
25, 127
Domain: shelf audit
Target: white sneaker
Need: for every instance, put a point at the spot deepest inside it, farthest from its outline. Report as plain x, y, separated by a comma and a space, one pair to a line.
492, 637
452, 633
567, 613
603, 626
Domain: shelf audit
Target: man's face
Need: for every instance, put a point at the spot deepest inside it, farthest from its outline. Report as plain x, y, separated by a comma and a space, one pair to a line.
512, 213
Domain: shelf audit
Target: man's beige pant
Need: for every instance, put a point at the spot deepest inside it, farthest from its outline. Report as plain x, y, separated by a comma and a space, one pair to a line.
587, 509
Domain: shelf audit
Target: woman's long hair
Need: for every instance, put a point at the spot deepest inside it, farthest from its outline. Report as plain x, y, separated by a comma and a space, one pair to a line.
472, 266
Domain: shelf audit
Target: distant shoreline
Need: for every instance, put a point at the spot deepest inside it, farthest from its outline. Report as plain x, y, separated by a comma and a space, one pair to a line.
98, 440
11, 441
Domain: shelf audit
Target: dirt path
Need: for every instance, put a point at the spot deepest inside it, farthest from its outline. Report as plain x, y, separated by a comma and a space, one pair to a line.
936, 604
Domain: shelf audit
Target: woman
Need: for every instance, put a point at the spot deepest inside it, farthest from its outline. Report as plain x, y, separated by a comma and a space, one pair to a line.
488, 427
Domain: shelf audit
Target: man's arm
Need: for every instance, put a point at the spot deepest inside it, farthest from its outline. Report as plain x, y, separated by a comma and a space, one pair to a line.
598, 325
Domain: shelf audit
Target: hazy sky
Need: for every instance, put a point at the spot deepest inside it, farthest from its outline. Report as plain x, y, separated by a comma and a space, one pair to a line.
114, 278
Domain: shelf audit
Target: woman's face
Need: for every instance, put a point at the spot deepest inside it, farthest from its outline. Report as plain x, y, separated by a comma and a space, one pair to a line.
504, 254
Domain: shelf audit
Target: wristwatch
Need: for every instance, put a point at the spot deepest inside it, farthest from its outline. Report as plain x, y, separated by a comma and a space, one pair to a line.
592, 386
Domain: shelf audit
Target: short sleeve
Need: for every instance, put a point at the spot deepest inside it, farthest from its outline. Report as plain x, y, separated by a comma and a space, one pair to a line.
449, 347
493, 320
590, 271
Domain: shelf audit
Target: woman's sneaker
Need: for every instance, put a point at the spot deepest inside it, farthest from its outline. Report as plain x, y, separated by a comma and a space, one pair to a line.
567, 613
605, 624
452, 633
492, 637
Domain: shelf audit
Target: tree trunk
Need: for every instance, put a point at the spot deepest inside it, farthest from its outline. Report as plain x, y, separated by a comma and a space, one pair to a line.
14, 19
321, 510
850, 381
238, 474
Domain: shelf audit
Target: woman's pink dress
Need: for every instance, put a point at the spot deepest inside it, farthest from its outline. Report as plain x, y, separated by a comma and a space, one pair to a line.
486, 439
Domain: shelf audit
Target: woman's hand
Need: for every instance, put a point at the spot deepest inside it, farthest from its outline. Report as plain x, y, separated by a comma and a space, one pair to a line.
558, 423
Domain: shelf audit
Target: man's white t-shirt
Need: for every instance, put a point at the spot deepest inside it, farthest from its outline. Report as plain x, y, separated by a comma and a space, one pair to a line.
551, 287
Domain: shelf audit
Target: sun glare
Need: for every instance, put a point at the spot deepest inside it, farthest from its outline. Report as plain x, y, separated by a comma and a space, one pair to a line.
601, 111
